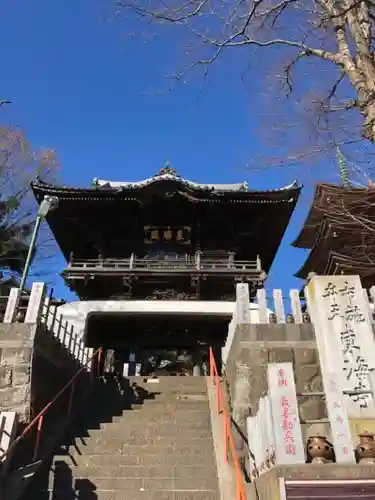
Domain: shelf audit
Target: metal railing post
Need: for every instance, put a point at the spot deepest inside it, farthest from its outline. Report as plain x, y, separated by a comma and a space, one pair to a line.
228, 437
38, 435
71, 396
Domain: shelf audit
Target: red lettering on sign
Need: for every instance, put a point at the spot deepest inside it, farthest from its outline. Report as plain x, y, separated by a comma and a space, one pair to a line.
281, 378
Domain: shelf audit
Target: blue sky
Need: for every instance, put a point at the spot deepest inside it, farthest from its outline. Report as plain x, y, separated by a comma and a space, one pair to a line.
79, 85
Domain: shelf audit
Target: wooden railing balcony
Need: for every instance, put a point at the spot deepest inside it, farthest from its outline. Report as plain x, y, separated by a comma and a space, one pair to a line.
186, 263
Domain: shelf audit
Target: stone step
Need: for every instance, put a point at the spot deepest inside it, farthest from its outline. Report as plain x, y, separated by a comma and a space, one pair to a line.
175, 440
168, 405
175, 395
164, 386
169, 381
131, 432
161, 412
196, 474
131, 459
116, 447
203, 419
179, 414
171, 395
87, 494
136, 483
141, 420
157, 414
171, 402
151, 428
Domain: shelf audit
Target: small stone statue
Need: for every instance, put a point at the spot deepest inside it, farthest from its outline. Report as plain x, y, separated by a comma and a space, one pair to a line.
365, 450
20, 317
319, 450
306, 318
272, 318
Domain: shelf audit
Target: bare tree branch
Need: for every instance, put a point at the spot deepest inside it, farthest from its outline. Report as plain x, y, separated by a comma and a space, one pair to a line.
336, 34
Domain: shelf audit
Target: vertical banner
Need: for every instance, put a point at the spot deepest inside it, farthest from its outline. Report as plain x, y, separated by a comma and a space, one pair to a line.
284, 407
242, 304
12, 305
36, 302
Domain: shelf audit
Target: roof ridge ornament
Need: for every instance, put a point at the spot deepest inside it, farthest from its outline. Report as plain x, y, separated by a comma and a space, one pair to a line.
167, 170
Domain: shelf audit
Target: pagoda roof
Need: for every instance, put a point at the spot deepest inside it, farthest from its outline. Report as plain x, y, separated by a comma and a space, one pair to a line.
327, 201
337, 252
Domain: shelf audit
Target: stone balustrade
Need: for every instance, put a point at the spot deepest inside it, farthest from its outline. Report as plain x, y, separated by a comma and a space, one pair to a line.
292, 308
39, 311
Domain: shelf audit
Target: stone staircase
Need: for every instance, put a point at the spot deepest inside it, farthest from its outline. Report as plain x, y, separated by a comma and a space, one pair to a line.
147, 440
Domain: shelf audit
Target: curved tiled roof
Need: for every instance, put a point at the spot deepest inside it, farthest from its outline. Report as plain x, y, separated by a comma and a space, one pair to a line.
166, 177
237, 187
102, 189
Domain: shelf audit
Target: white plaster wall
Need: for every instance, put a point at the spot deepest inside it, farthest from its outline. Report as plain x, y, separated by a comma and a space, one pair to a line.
76, 312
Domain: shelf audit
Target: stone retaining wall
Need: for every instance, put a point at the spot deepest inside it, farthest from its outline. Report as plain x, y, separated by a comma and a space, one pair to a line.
16, 352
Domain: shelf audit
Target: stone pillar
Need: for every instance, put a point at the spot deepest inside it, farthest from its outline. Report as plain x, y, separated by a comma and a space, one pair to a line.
197, 360
132, 364
242, 304
36, 302
197, 371
12, 305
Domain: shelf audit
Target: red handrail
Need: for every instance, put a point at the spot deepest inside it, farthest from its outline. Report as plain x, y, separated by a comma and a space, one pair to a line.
39, 419
228, 436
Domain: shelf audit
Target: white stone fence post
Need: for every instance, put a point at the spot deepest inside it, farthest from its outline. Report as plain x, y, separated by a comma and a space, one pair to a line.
40, 311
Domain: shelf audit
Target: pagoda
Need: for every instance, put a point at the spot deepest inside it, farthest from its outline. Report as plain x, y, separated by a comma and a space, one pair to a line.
155, 263
340, 232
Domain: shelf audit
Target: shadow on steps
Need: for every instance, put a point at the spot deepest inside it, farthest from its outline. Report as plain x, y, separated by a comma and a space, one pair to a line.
66, 487
110, 398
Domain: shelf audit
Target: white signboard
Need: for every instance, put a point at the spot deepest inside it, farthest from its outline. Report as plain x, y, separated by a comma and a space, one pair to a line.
343, 332
242, 304
12, 304
36, 302
284, 407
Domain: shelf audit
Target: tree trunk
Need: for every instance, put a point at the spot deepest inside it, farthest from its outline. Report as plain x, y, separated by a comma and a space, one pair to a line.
364, 83
368, 112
